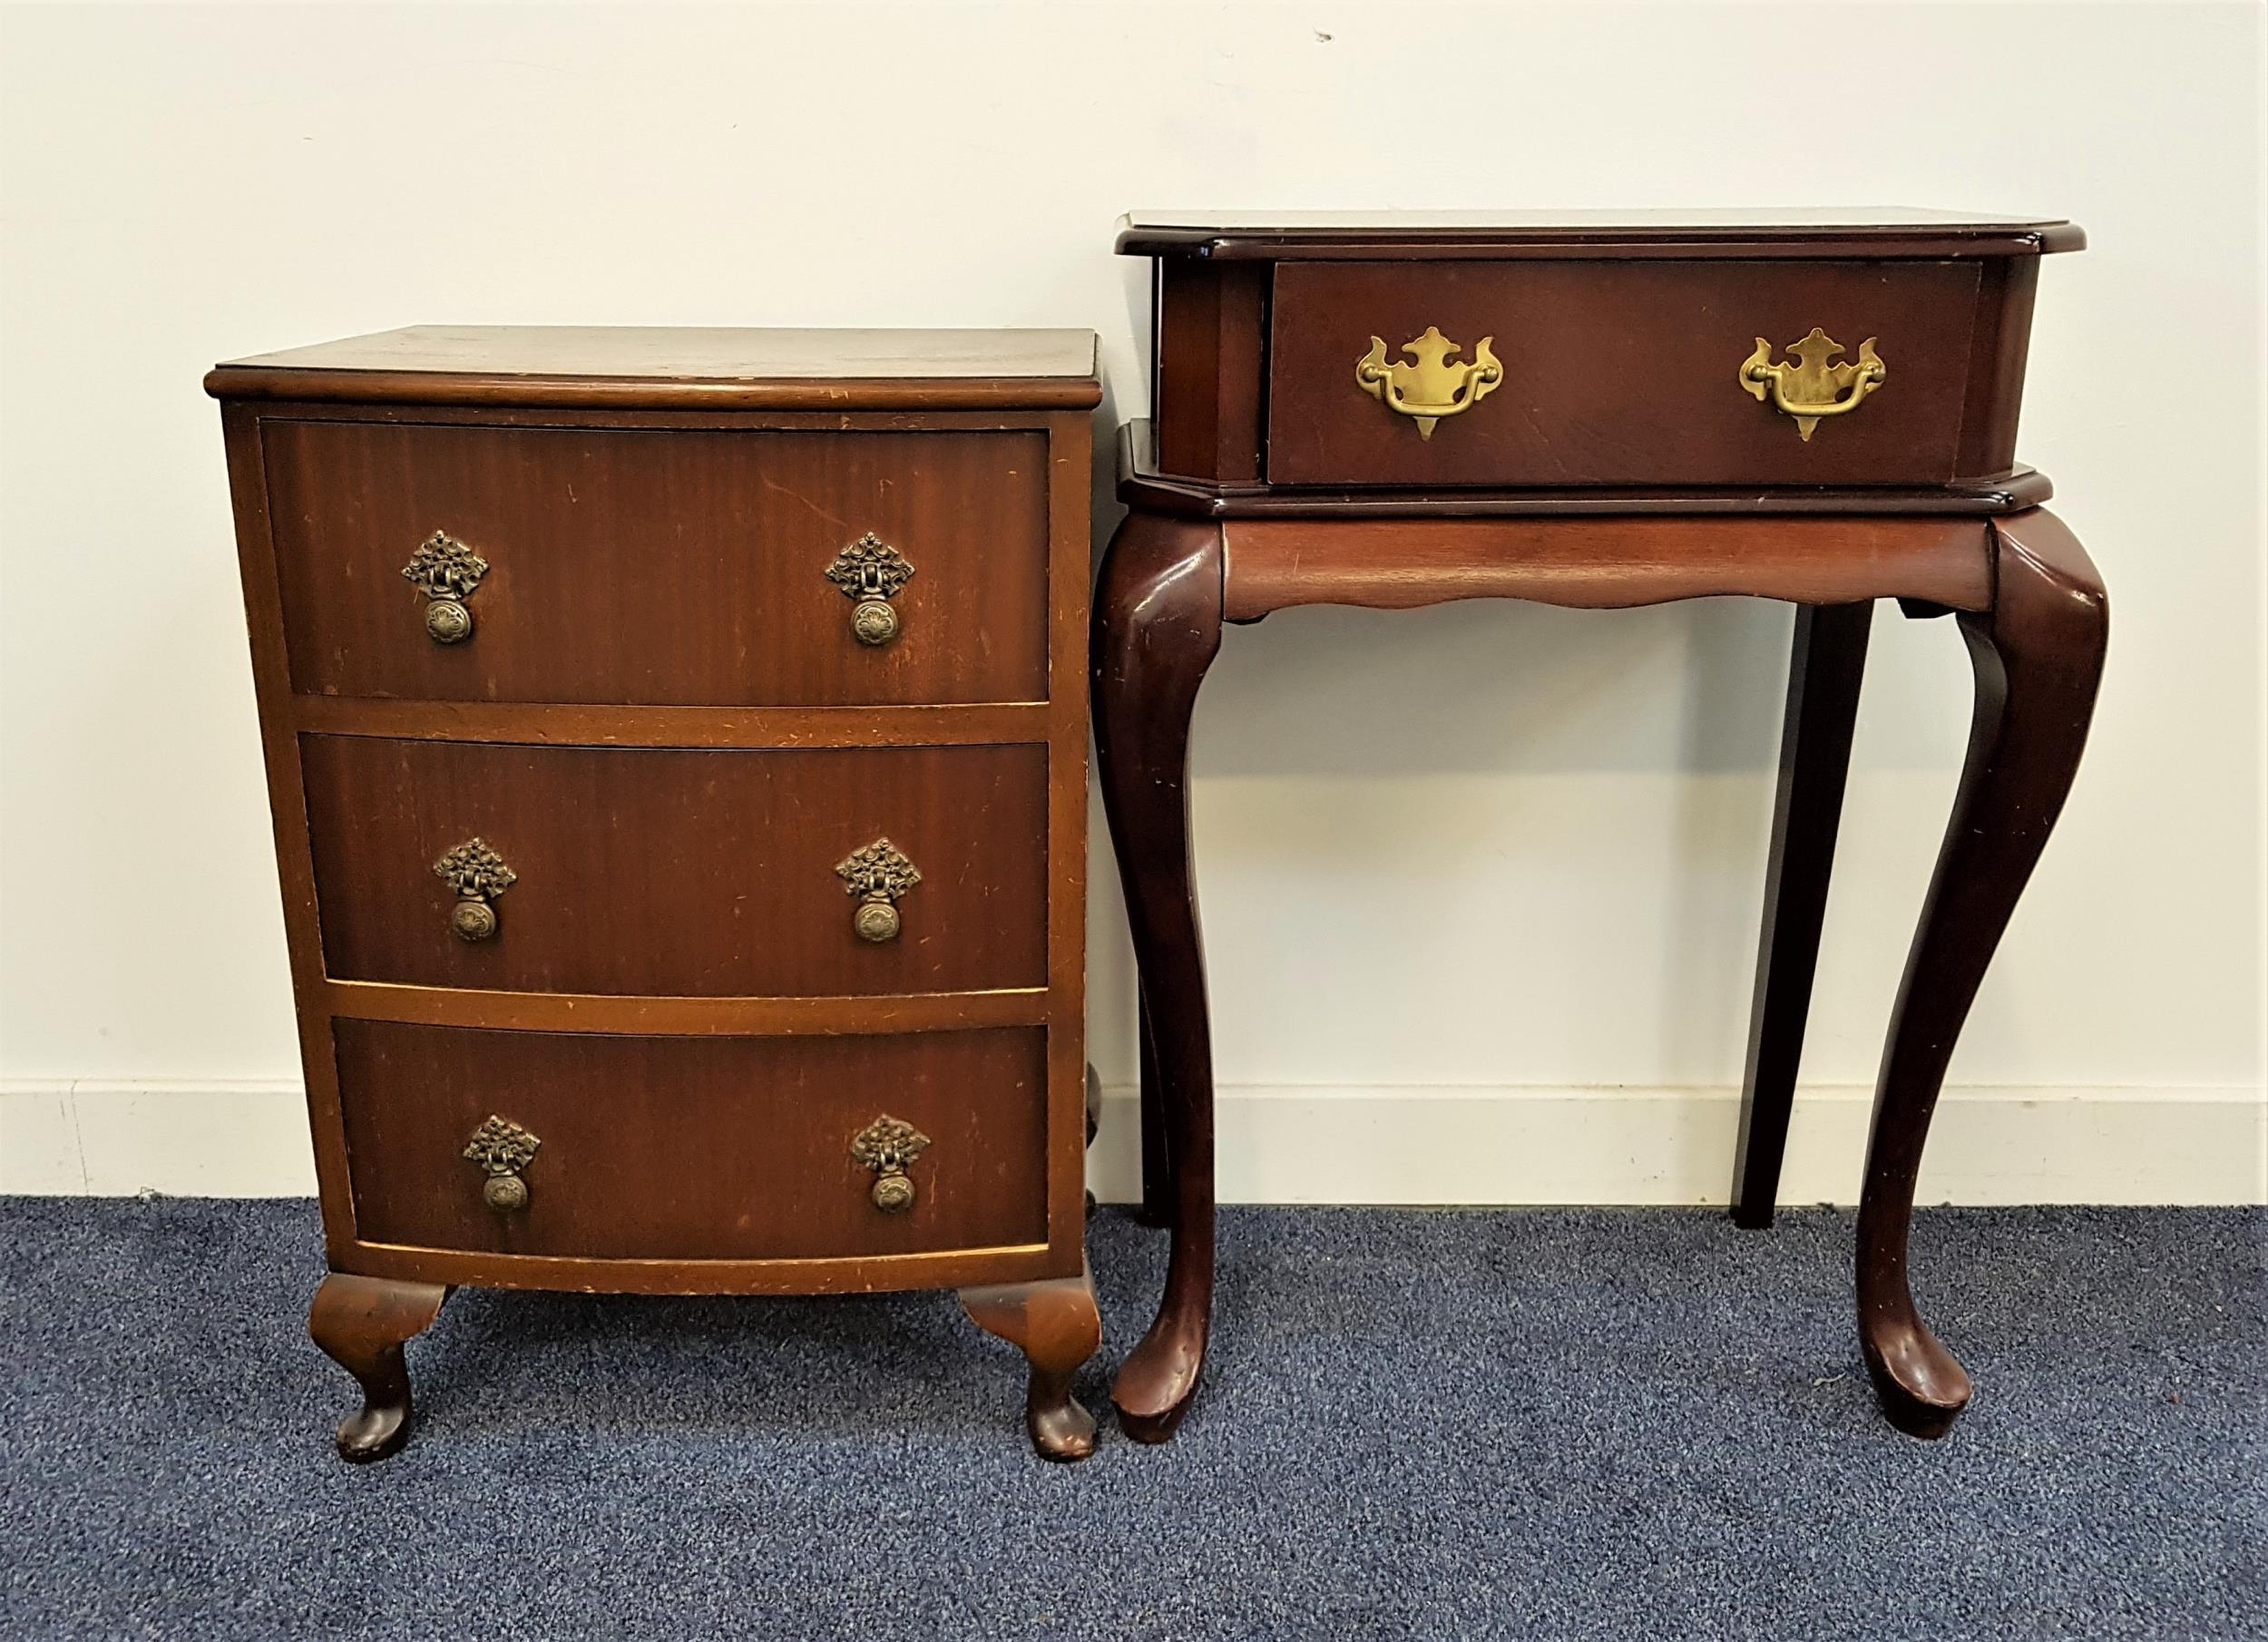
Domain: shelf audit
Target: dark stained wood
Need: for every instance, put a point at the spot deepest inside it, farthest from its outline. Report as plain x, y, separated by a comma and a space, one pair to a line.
1825, 669
361, 1322
1874, 232
699, 872
1209, 387
685, 566
1618, 373
1998, 348
2038, 657
1156, 627
1142, 485
1609, 501
695, 1149
1599, 563
1156, 1209
678, 368
1000, 466
1056, 1327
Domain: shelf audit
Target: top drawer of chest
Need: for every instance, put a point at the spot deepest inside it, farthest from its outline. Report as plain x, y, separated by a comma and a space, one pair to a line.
659, 566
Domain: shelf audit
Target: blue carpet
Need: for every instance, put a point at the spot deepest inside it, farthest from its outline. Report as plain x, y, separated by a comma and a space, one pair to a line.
1530, 1425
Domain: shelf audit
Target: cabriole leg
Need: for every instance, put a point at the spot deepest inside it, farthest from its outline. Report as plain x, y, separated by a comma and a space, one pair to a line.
2038, 656
1055, 1325
360, 1323
1157, 628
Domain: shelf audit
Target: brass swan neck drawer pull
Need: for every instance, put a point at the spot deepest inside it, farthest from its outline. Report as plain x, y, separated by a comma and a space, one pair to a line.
446, 572
503, 1151
1812, 388
478, 875
870, 572
887, 1145
1431, 388
878, 875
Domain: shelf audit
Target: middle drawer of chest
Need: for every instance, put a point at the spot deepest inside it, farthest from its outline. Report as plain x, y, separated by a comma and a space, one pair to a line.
671, 871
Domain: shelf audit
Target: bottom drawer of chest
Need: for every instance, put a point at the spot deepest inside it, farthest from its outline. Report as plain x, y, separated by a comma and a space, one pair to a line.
713, 1147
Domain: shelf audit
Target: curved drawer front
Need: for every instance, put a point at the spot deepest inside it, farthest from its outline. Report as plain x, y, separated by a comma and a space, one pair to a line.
1614, 373
692, 1148
667, 872
684, 566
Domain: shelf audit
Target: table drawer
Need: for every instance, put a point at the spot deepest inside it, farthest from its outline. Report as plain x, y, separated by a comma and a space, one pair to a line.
675, 872
653, 566
692, 1148
1622, 372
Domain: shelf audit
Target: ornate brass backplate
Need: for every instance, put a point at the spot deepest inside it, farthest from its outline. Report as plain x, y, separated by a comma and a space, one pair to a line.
478, 875
1812, 387
503, 1151
878, 875
447, 572
871, 572
887, 1145
1432, 387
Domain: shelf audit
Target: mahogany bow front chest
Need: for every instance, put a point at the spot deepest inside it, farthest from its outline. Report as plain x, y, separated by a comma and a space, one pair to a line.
676, 743
1398, 410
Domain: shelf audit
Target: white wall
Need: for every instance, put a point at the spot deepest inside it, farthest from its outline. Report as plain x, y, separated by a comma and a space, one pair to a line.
1511, 849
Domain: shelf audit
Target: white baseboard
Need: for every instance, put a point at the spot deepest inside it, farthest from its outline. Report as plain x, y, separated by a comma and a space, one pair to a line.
1418, 1145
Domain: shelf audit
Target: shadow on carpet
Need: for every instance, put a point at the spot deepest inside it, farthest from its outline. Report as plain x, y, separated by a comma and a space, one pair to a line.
1528, 1425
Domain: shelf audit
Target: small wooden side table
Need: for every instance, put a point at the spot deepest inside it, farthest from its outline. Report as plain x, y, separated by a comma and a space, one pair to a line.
1394, 411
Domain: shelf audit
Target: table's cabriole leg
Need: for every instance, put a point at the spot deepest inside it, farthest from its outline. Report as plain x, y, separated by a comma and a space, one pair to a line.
1157, 628
1157, 1208
2038, 655
360, 1323
1825, 668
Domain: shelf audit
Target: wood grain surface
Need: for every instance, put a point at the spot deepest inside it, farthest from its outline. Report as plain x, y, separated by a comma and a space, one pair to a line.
678, 368
680, 872
1601, 563
643, 566
1618, 373
695, 1148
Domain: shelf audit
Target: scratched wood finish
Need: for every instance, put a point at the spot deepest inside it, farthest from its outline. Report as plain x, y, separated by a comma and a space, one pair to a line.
682, 566
639, 367
680, 872
1601, 563
690, 1149
668, 392
1618, 373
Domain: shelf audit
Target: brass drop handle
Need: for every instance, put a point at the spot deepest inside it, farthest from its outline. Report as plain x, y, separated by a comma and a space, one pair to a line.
478, 875
1812, 387
1431, 388
870, 572
878, 875
447, 572
888, 1146
503, 1151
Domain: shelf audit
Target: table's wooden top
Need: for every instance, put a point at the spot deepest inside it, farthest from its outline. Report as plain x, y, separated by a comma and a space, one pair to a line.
1881, 232
653, 366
